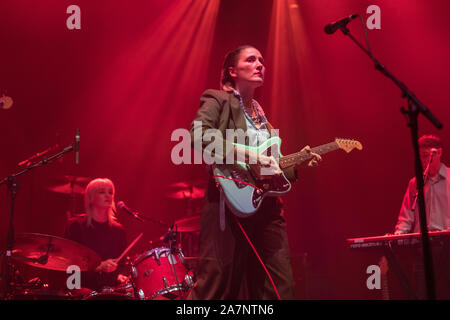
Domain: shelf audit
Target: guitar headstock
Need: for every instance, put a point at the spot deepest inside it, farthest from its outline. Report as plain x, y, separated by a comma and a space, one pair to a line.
348, 144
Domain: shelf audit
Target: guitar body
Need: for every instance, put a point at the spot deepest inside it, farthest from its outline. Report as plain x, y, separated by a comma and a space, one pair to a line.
243, 192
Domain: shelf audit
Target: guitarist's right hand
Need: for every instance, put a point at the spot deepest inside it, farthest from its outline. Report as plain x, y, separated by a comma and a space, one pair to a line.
266, 167
263, 166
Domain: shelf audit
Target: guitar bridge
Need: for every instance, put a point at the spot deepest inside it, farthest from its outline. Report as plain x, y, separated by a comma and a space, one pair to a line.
256, 197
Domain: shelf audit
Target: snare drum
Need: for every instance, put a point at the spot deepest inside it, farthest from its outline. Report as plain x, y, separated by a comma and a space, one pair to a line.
160, 274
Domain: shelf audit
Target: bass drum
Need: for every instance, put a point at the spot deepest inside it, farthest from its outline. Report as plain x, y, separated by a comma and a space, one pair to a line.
160, 274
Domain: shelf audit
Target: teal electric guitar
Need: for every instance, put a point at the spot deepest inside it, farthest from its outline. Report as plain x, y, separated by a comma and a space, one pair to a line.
244, 192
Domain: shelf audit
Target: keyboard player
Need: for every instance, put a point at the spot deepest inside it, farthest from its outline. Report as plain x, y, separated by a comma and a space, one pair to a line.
437, 202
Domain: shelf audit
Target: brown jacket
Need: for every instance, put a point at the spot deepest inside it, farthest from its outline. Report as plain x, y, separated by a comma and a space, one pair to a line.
221, 110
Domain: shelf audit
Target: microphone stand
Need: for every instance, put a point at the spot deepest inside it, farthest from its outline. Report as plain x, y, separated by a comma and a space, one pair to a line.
13, 186
415, 107
171, 238
141, 218
425, 180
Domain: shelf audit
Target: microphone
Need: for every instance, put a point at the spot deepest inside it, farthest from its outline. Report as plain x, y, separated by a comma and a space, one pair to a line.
121, 205
334, 26
77, 146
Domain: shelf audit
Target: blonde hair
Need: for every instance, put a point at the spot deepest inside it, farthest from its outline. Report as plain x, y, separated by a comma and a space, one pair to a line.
89, 193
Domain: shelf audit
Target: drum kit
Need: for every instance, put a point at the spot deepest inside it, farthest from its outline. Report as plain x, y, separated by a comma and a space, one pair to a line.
40, 262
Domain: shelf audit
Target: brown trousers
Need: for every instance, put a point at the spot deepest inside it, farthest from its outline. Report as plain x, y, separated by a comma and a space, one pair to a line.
229, 269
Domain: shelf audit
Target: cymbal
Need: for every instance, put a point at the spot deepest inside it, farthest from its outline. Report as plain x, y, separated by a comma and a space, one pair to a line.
187, 190
191, 224
196, 193
71, 185
188, 184
31, 249
67, 188
75, 179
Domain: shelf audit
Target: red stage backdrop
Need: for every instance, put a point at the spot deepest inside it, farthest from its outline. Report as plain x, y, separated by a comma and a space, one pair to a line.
134, 72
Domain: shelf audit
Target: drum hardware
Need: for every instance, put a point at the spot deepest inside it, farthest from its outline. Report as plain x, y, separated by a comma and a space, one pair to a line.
121, 205
122, 292
107, 296
70, 185
12, 185
190, 224
53, 253
190, 191
52, 256
34, 289
74, 187
160, 273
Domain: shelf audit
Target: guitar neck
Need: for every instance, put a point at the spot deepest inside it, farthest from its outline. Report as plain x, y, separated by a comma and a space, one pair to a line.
301, 156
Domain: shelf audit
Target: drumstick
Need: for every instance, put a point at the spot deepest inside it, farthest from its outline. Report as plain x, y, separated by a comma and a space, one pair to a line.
129, 247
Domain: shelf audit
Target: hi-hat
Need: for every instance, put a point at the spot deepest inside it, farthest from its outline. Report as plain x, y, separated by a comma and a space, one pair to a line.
32, 249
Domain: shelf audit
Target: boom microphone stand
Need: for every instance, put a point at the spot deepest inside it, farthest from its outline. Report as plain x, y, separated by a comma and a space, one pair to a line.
13, 186
415, 107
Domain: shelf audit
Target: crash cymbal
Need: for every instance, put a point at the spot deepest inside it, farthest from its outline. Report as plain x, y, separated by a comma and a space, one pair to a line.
67, 189
32, 248
70, 185
191, 224
196, 193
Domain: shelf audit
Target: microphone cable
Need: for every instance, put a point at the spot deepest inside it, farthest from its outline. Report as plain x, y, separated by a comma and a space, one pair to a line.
257, 256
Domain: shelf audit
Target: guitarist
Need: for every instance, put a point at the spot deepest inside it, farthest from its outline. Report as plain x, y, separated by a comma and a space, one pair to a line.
229, 267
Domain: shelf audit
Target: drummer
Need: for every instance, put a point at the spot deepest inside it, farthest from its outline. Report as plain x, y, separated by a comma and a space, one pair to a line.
100, 231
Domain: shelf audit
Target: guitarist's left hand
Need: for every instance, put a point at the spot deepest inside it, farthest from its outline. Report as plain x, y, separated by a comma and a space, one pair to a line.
315, 158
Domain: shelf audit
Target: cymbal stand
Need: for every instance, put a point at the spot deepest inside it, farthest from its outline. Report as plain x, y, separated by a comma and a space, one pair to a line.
189, 212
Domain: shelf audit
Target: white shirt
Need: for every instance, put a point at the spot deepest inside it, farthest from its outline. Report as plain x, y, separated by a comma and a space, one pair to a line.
437, 204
